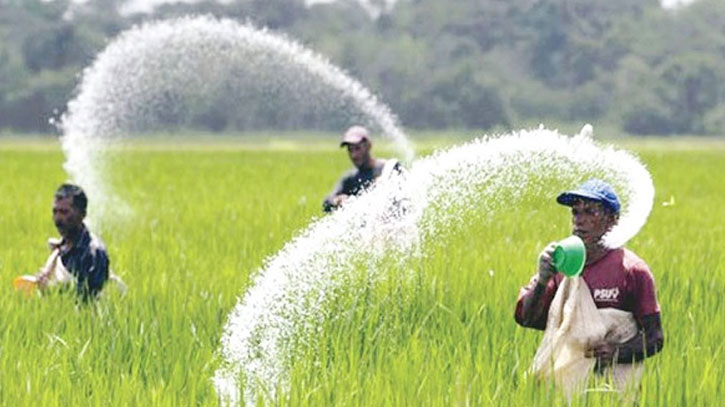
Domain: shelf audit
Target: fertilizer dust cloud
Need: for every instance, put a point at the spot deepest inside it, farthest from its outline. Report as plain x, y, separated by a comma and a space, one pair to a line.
292, 294
158, 75
172, 74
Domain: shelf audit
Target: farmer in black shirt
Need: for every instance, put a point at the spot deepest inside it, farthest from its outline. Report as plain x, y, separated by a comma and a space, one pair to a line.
367, 168
82, 254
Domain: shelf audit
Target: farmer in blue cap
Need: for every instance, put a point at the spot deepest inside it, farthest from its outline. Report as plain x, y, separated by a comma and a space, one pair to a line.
616, 278
367, 168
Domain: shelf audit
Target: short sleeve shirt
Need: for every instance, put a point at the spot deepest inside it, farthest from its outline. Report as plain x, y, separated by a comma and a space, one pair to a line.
88, 262
618, 280
354, 181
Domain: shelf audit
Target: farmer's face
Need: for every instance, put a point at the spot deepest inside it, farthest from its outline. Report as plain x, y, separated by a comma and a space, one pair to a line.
590, 221
67, 218
359, 153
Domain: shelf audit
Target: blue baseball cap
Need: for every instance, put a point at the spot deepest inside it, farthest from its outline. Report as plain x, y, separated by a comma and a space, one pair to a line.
593, 190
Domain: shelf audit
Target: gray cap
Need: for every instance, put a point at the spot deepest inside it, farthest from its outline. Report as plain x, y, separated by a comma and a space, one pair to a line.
354, 135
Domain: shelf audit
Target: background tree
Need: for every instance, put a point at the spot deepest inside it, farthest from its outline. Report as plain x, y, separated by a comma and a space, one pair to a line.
466, 64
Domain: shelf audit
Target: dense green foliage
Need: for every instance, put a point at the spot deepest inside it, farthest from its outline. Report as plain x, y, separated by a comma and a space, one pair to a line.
473, 64
205, 218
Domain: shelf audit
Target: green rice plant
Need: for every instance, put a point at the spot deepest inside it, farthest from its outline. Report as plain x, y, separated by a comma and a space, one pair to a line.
435, 330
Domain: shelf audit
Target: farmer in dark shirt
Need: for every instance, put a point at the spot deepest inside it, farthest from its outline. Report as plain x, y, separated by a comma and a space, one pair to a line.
616, 277
82, 254
367, 168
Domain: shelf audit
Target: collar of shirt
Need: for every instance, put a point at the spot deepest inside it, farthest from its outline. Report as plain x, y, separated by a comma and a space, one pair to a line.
84, 240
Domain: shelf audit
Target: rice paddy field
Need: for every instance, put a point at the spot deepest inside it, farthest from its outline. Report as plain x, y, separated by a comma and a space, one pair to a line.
205, 216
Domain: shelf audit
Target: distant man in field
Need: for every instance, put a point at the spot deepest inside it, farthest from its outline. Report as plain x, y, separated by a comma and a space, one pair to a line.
82, 255
616, 278
367, 168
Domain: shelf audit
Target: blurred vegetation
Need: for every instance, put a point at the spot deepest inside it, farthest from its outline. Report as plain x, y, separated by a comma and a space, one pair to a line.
465, 64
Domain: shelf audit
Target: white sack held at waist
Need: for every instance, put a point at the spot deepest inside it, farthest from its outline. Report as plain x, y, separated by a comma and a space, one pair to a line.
55, 273
573, 324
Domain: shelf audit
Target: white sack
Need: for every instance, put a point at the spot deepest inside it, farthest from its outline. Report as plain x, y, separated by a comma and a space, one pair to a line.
573, 324
58, 274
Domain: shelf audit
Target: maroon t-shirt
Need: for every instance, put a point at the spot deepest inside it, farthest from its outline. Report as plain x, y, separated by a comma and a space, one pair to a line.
618, 280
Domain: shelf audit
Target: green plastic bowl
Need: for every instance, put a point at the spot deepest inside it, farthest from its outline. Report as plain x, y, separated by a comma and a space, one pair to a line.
570, 255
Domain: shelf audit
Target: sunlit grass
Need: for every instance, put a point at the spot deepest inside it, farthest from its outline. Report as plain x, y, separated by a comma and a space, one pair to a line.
438, 331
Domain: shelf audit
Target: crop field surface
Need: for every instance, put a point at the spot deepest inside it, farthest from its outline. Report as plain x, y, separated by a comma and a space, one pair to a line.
436, 330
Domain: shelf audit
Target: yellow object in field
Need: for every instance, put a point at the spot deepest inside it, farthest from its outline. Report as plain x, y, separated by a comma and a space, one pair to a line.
26, 284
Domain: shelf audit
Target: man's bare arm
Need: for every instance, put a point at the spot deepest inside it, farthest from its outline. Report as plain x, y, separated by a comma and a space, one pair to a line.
533, 307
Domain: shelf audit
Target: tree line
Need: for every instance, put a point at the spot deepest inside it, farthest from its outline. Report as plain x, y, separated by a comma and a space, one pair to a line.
460, 64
